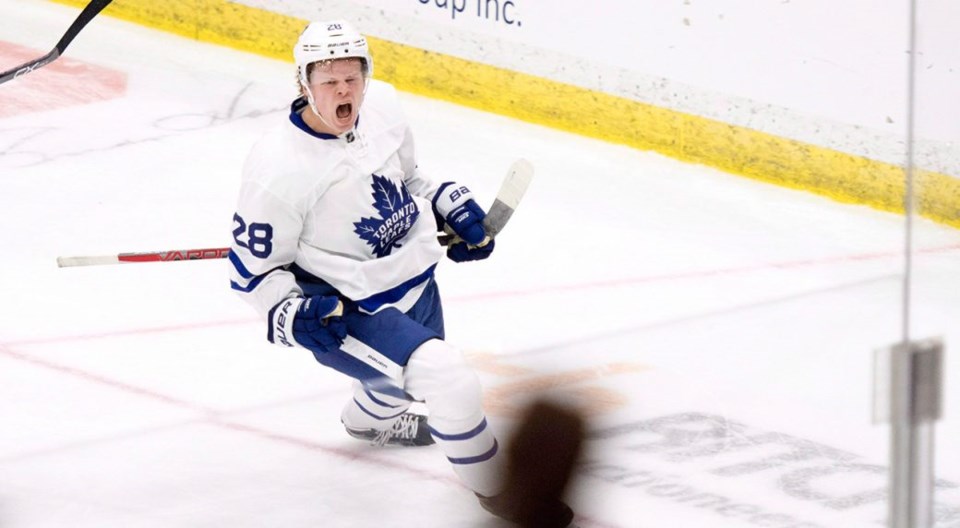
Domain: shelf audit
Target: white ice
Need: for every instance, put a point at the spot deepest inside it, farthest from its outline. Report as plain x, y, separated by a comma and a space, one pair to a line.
718, 331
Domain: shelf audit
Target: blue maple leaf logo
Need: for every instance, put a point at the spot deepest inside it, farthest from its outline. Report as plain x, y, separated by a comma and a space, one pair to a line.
398, 212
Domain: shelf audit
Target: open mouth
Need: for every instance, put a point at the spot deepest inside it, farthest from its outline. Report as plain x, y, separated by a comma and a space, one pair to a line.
344, 110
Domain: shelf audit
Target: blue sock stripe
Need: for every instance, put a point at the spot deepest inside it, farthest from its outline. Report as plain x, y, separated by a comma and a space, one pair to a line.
462, 436
378, 401
362, 408
476, 459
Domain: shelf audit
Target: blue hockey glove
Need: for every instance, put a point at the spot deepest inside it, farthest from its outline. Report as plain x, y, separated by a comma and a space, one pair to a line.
455, 205
463, 252
313, 322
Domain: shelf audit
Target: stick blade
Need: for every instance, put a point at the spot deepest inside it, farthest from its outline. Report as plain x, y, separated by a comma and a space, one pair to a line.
508, 198
516, 183
69, 262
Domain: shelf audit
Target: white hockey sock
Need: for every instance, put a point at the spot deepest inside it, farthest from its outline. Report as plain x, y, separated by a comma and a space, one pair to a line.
372, 410
473, 452
438, 375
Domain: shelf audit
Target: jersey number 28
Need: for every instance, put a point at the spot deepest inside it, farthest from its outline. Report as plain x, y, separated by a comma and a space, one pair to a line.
259, 237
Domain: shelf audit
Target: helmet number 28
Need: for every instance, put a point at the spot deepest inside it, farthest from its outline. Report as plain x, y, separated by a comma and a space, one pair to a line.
259, 237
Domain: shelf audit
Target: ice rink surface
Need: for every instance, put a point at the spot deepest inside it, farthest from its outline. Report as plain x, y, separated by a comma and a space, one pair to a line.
718, 332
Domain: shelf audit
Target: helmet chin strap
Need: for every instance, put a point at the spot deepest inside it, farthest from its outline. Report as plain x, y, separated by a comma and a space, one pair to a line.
348, 135
313, 106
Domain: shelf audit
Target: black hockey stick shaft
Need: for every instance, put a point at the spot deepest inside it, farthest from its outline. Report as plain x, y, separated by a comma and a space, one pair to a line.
92, 10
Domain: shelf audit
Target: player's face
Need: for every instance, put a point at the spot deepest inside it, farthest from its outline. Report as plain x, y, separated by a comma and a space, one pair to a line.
337, 88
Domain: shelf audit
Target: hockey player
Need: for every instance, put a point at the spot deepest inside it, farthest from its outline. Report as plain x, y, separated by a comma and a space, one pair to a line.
335, 244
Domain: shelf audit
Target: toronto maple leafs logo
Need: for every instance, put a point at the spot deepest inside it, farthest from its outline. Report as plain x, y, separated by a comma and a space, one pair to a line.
397, 212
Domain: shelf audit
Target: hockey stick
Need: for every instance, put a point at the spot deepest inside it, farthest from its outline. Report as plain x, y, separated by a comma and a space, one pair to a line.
92, 9
511, 191
154, 256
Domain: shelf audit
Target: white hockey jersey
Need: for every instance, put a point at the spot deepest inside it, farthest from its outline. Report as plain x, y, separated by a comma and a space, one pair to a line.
353, 211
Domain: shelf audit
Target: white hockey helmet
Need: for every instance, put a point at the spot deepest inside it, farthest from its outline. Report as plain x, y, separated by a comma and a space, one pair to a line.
328, 40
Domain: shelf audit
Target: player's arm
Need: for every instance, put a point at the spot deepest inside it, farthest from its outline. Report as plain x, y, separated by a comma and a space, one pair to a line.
266, 233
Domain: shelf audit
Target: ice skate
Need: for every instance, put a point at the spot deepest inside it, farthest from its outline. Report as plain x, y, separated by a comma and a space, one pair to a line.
410, 430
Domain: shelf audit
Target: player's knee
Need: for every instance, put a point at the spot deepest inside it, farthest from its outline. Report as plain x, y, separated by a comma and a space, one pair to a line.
452, 386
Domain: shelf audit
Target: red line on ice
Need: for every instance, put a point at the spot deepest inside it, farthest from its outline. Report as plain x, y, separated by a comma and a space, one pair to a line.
613, 283
213, 419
